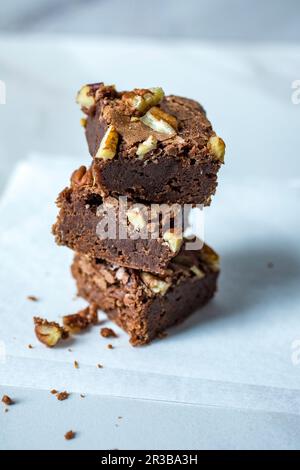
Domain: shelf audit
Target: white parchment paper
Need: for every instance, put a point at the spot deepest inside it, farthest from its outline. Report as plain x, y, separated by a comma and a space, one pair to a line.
240, 351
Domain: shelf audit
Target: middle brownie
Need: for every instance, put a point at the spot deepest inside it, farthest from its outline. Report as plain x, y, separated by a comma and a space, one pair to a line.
99, 227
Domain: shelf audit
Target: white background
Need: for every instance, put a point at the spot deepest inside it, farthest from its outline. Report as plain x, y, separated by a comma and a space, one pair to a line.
223, 20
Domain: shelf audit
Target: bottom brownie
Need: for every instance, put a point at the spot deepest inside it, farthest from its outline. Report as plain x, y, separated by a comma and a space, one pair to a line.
145, 305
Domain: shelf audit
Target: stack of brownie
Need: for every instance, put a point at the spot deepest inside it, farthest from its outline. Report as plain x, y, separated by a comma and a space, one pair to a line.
131, 259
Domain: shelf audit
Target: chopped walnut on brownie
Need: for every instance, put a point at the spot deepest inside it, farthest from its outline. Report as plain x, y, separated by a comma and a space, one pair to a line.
159, 148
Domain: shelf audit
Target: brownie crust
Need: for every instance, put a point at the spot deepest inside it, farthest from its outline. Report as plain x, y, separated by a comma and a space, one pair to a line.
181, 167
145, 305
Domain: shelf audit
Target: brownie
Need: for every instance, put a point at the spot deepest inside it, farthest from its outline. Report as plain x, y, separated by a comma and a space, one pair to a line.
143, 304
82, 224
150, 146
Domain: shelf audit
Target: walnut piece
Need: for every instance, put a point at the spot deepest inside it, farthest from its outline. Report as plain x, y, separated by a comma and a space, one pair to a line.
80, 177
77, 322
210, 257
156, 285
216, 146
122, 275
146, 146
143, 99
136, 218
85, 97
200, 274
108, 145
160, 121
49, 333
174, 239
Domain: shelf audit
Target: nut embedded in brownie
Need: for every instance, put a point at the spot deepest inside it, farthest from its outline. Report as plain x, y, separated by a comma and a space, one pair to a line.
154, 147
144, 304
142, 236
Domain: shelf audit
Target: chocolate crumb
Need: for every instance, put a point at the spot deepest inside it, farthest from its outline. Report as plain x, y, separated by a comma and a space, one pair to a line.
77, 322
30, 346
69, 435
76, 365
7, 400
33, 298
62, 396
108, 333
110, 346
100, 366
53, 392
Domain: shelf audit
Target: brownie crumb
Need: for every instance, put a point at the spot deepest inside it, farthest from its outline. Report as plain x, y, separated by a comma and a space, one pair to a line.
69, 435
108, 333
62, 396
33, 298
100, 366
76, 365
30, 346
53, 392
77, 322
7, 400
110, 346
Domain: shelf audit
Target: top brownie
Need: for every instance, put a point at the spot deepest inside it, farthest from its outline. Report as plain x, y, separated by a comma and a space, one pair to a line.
149, 146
